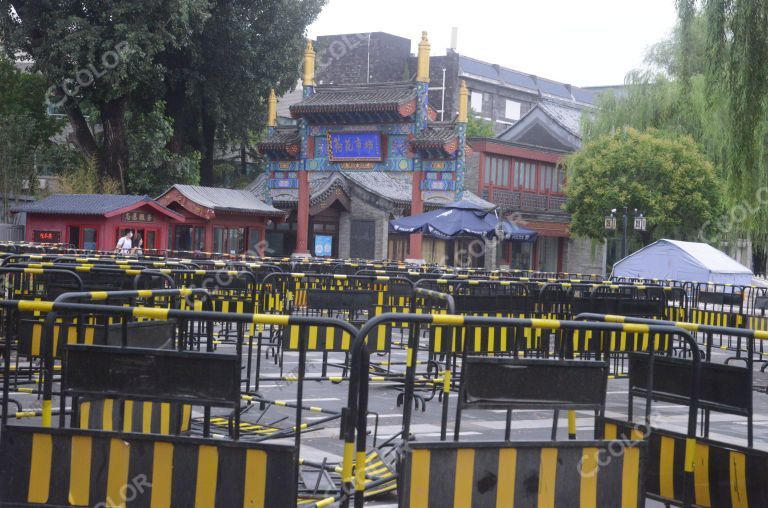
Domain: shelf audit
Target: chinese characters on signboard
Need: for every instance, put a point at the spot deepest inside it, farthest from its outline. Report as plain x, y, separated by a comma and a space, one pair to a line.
46, 236
354, 146
138, 217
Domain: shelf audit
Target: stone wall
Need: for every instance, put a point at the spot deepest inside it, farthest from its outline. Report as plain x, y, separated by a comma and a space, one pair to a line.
369, 207
472, 174
584, 256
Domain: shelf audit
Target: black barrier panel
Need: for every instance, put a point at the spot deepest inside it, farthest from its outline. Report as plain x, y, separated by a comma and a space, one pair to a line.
724, 388
508, 383
203, 378
724, 475
143, 334
760, 303
342, 299
718, 298
491, 304
66, 467
487, 474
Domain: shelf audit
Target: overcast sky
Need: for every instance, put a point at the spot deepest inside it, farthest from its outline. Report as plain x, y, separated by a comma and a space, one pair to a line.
586, 42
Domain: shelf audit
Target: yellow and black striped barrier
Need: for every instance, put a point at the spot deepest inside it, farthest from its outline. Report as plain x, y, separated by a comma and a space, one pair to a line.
548, 474
147, 417
724, 475
67, 467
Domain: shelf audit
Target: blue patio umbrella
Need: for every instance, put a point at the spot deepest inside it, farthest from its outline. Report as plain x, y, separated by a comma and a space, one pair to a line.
462, 218
516, 232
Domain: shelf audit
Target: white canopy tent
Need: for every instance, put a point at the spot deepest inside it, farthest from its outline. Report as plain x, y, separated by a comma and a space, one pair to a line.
689, 261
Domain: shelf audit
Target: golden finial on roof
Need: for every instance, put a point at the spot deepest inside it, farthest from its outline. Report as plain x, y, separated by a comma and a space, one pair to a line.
272, 109
422, 74
309, 65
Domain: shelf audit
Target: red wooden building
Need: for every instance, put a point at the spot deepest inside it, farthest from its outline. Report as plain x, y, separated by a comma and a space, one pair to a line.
218, 220
97, 221
520, 171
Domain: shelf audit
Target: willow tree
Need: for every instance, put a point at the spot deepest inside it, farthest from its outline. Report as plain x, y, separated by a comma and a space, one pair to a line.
737, 40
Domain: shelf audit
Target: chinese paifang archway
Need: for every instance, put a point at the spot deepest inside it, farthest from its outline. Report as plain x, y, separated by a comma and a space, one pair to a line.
383, 134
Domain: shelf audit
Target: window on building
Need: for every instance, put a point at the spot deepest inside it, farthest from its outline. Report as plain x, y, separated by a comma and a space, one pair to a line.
497, 171
229, 240
89, 238
552, 178
476, 101
188, 238
512, 110
254, 237
525, 175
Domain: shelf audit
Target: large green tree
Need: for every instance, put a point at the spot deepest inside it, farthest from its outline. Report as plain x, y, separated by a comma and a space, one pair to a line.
95, 55
210, 62
216, 87
662, 175
25, 130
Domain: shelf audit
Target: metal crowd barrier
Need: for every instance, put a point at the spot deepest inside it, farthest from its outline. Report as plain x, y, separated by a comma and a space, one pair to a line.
480, 491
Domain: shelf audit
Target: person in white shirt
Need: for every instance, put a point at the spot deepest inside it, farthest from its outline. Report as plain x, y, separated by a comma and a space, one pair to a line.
124, 243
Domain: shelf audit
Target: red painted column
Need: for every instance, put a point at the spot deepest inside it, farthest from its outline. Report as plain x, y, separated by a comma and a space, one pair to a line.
417, 207
302, 215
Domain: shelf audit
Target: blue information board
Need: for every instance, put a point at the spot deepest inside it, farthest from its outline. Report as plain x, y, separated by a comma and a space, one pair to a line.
354, 146
323, 246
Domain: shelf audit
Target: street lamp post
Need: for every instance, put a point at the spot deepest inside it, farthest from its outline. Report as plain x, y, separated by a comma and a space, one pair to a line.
624, 236
639, 225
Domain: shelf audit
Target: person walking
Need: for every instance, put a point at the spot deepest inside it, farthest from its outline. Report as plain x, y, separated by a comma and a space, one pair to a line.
124, 243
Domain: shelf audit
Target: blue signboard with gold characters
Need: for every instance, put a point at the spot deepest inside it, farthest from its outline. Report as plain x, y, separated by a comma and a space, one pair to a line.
354, 146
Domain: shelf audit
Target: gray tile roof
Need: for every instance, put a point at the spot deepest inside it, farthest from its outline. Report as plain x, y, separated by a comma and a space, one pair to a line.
394, 186
227, 200
81, 204
289, 99
436, 134
281, 138
339, 98
391, 185
568, 118
258, 186
534, 84
318, 180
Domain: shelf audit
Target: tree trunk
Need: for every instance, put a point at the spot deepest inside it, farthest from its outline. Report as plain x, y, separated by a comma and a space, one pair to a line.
759, 259
114, 152
209, 147
81, 133
175, 102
